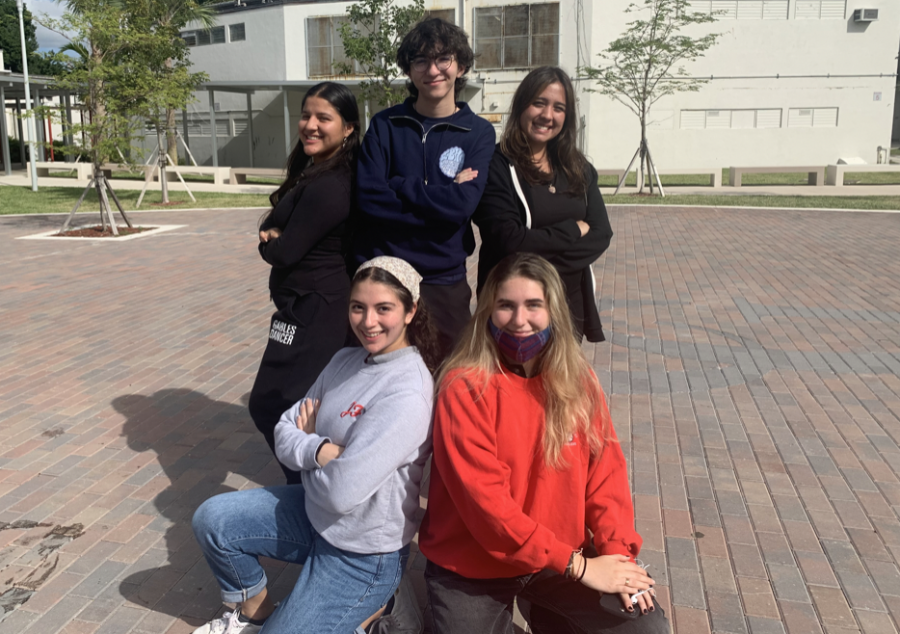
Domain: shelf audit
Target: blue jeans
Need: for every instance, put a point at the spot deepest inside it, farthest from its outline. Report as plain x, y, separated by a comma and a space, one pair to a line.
337, 589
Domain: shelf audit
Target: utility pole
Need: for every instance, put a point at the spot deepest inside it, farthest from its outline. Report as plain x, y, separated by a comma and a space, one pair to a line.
29, 113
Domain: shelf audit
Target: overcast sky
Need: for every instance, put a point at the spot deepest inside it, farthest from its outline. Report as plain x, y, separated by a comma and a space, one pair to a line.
47, 40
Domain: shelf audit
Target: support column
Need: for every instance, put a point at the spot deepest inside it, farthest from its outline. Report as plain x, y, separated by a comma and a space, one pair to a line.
287, 124
40, 137
70, 141
21, 134
184, 131
212, 132
7, 159
250, 125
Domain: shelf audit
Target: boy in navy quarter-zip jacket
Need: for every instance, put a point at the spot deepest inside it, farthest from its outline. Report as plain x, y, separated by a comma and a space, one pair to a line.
422, 169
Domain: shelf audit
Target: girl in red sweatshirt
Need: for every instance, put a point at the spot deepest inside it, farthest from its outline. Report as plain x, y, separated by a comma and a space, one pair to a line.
526, 458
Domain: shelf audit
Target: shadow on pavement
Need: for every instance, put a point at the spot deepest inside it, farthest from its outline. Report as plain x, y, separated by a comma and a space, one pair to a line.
204, 447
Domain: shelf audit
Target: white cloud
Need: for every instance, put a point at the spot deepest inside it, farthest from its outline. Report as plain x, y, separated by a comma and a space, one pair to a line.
47, 40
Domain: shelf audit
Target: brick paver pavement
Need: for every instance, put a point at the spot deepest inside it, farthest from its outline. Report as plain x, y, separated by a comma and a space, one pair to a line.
753, 371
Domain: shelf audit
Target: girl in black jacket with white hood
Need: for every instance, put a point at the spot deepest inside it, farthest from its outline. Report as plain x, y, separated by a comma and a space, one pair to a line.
542, 195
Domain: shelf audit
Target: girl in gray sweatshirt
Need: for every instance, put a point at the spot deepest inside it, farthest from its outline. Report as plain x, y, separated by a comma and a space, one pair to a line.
360, 438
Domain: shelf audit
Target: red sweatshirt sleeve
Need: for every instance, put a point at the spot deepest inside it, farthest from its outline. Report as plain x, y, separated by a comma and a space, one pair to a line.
609, 512
465, 453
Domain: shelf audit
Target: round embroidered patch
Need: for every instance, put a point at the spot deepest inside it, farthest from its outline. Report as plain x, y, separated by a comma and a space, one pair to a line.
452, 161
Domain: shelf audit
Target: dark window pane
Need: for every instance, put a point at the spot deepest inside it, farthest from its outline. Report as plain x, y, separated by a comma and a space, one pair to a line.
545, 19
318, 32
190, 39
487, 54
319, 61
515, 20
202, 38
488, 22
237, 33
545, 50
217, 34
515, 52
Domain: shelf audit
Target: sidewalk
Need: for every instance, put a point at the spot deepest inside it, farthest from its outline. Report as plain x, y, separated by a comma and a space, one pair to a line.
752, 373
23, 179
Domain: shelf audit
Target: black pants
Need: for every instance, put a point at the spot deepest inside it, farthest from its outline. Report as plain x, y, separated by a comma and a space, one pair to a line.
460, 605
449, 308
305, 332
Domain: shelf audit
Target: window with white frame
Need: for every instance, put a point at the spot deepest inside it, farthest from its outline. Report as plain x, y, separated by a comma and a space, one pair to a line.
731, 119
820, 9
203, 37
812, 118
237, 32
324, 46
743, 9
517, 36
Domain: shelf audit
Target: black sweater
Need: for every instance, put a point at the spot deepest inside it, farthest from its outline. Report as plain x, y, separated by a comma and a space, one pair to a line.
313, 219
504, 226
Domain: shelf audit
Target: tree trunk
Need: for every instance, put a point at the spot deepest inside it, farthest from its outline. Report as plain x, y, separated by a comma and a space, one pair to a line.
171, 135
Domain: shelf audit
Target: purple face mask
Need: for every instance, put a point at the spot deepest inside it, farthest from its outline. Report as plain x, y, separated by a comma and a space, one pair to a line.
519, 349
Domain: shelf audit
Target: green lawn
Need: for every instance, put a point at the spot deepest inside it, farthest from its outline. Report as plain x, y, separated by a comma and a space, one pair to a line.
850, 178
749, 200
21, 200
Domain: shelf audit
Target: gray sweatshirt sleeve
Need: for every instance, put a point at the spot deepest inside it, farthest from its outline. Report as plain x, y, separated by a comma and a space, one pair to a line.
294, 447
385, 438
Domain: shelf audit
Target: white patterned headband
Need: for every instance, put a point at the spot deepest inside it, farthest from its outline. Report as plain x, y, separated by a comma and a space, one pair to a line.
401, 269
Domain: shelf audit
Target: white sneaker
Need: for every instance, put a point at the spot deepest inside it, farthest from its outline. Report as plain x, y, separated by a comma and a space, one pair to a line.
228, 624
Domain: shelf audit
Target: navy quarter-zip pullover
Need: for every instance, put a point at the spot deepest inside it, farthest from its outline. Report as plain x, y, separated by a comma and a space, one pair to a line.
409, 206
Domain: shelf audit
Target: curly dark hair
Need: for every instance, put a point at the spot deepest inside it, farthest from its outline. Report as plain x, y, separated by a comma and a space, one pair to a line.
422, 331
431, 37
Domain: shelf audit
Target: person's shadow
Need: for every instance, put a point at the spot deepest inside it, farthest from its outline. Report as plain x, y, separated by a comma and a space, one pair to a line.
203, 447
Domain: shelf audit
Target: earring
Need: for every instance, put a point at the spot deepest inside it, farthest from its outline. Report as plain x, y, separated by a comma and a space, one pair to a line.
344, 142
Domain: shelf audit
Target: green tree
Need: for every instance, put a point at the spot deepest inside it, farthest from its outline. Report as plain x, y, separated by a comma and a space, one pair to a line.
10, 42
645, 63
121, 73
371, 36
169, 17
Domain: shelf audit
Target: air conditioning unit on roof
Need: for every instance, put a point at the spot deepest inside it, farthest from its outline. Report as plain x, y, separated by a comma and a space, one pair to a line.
865, 15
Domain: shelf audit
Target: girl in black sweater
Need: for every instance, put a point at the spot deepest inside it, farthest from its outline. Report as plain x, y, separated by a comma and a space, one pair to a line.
304, 238
542, 195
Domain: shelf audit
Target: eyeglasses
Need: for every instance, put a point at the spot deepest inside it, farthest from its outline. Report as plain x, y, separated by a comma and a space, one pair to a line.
424, 63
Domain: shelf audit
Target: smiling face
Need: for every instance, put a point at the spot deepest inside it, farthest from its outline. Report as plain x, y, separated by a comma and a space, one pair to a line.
378, 318
322, 129
543, 119
434, 83
520, 308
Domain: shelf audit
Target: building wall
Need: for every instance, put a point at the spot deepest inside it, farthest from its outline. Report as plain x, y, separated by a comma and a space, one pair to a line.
813, 65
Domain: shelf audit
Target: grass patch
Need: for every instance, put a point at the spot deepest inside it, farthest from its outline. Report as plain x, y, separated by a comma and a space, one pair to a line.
750, 180
797, 202
21, 200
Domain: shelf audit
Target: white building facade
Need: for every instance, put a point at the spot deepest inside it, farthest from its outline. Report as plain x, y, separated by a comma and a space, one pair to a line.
791, 82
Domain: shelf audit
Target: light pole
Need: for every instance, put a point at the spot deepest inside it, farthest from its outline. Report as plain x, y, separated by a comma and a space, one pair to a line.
28, 111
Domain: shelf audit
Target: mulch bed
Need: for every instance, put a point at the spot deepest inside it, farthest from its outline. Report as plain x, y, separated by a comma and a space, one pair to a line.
98, 232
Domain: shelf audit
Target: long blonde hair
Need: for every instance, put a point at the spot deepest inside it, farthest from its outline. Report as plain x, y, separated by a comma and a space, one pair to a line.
572, 393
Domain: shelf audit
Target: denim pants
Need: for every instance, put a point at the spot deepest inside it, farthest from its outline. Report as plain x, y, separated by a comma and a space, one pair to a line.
337, 589
460, 605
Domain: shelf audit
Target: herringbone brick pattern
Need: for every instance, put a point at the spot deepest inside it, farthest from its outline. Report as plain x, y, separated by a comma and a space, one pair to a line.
753, 371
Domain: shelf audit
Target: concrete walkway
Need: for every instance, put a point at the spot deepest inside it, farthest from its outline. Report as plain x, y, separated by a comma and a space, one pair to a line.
23, 179
752, 372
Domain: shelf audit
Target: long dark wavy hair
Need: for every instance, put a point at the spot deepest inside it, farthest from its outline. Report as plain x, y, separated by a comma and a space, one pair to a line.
562, 150
421, 331
299, 165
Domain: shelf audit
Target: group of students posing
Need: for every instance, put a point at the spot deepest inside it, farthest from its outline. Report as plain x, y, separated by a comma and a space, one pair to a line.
529, 497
